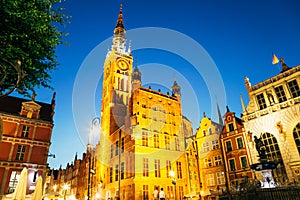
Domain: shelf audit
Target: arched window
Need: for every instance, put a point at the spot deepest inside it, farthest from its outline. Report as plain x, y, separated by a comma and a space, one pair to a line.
272, 148
296, 133
273, 154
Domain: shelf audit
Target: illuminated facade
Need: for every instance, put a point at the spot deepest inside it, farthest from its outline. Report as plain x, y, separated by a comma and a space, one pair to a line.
211, 164
143, 133
235, 155
273, 114
26, 130
71, 182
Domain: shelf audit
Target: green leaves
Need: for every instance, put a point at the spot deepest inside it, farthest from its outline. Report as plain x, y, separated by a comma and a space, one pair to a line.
29, 32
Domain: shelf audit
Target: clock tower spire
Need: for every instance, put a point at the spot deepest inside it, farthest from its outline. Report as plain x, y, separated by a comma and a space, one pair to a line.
119, 40
116, 87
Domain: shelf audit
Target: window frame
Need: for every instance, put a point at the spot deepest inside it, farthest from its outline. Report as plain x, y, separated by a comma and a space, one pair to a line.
20, 152
25, 131
145, 167
261, 101
293, 89
238, 144
241, 161
280, 93
227, 149
234, 164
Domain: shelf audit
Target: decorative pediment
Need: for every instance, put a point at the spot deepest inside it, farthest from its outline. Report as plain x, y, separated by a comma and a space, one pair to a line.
30, 109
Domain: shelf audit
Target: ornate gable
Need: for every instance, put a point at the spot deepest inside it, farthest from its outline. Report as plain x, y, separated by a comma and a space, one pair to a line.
30, 110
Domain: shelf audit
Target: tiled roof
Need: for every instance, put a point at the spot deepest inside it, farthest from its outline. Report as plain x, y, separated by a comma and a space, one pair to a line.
12, 105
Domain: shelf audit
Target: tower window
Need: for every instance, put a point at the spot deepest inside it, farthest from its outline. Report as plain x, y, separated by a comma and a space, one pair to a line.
144, 138
168, 167
157, 168
294, 88
280, 94
179, 170
145, 192
110, 175
156, 140
177, 146
145, 167
261, 101
167, 142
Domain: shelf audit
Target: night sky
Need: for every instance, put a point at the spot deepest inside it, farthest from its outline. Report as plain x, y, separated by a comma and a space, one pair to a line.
228, 39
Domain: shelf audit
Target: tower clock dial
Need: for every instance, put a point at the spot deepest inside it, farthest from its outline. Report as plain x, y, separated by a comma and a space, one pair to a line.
122, 64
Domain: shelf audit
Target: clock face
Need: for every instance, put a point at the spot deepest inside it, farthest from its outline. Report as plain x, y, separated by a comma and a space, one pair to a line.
122, 64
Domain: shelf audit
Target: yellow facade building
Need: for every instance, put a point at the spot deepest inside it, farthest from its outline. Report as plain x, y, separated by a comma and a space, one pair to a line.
210, 158
143, 132
273, 114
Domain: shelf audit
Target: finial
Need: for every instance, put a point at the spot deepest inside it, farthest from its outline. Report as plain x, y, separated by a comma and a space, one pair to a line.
227, 108
53, 104
281, 60
219, 115
53, 98
243, 103
120, 18
33, 96
284, 66
204, 114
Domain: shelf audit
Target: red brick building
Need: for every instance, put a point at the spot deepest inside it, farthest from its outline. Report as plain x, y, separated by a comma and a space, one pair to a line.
25, 134
234, 147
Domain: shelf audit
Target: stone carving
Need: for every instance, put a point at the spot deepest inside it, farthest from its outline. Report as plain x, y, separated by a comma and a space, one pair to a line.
260, 147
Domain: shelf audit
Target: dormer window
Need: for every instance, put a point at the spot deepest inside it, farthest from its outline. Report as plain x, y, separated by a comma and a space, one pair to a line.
30, 110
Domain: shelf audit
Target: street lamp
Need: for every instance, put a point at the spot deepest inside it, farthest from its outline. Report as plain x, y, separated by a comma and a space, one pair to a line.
51, 155
95, 122
172, 174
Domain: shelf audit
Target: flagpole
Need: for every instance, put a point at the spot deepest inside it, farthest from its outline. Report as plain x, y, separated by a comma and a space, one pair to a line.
275, 61
278, 65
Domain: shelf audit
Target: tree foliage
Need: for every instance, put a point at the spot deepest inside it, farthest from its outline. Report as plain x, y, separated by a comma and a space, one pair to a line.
29, 34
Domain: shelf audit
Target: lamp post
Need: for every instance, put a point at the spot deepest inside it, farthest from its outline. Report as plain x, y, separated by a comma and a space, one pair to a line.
172, 174
95, 122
